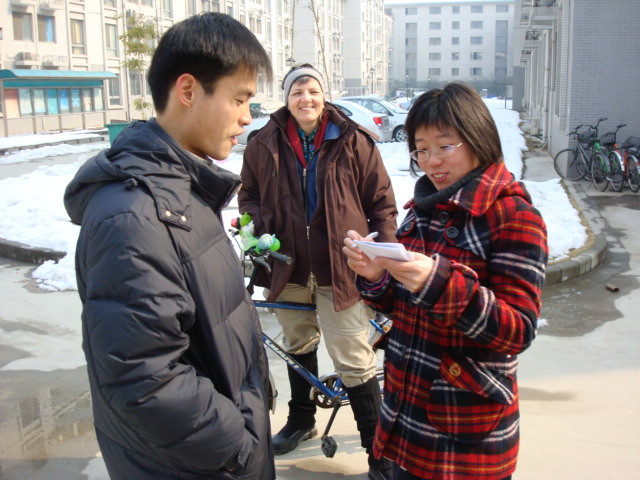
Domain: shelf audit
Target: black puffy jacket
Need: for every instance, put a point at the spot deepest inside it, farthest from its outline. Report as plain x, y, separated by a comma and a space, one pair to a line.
177, 368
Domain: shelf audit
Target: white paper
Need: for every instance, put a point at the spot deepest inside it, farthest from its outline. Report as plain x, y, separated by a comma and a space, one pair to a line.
394, 251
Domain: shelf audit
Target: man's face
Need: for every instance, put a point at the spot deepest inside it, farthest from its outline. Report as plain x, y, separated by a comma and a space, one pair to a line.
216, 119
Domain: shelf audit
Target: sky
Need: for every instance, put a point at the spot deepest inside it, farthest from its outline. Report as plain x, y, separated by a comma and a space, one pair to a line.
32, 213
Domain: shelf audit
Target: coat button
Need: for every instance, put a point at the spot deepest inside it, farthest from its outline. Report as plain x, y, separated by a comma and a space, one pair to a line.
183, 218
452, 232
455, 370
444, 217
167, 213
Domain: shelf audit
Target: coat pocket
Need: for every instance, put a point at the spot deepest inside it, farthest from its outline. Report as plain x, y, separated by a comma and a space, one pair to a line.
468, 401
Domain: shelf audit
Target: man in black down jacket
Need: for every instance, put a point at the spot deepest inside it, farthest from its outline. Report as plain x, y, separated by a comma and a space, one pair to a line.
178, 373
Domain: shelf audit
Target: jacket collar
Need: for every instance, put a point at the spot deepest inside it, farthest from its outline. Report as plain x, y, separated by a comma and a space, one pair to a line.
475, 193
145, 154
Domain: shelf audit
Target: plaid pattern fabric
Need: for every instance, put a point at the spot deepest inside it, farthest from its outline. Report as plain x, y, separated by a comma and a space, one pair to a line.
450, 408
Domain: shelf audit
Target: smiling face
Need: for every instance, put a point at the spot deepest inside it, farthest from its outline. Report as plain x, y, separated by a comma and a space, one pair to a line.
210, 122
442, 171
306, 103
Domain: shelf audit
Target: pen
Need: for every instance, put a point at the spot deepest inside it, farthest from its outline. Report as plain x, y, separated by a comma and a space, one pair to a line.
371, 236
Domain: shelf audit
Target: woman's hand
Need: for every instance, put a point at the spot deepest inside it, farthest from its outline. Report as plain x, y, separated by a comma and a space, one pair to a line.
412, 274
358, 261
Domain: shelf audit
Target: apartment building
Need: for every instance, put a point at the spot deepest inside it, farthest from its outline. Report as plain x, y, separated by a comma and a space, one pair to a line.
436, 41
62, 61
577, 61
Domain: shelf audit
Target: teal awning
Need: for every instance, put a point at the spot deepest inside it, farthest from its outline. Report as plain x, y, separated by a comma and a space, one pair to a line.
53, 78
54, 74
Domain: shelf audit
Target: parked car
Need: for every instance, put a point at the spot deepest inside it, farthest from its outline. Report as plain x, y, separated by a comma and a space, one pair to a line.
397, 115
251, 129
376, 123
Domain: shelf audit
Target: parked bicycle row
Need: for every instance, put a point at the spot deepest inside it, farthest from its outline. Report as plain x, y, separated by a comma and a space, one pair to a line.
600, 159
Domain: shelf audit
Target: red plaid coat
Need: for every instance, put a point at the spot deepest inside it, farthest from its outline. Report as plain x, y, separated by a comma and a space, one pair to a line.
450, 408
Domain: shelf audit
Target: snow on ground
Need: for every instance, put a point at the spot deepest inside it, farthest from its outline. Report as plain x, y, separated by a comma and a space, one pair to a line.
32, 210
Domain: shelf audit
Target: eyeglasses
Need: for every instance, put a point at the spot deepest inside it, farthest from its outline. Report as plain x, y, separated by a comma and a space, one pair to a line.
442, 152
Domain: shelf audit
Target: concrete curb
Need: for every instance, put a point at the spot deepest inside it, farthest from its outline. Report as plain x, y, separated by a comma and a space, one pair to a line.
28, 254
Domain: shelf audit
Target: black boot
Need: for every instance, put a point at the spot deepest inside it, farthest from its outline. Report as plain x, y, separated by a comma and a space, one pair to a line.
365, 402
301, 420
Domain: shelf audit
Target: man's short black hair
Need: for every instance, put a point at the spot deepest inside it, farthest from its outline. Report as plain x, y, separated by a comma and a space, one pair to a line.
208, 46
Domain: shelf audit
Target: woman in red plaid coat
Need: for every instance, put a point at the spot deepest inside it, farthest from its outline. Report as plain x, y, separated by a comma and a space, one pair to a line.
464, 307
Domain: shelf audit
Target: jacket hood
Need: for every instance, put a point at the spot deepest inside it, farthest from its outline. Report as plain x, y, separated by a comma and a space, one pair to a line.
145, 154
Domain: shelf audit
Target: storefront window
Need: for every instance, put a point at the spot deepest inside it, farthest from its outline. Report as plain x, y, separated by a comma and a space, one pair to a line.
97, 100
26, 108
87, 100
64, 101
39, 105
76, 106
52, 101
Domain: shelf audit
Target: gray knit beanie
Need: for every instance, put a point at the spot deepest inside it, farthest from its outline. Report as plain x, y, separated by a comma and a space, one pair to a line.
296, 74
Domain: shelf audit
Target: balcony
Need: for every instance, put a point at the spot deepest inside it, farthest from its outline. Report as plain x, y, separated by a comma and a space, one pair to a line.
27, 59
54, 61
24, 3
52, 4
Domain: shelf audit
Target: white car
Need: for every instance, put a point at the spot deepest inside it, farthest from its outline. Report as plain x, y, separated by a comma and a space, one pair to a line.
376, 123
397, 115
251, 129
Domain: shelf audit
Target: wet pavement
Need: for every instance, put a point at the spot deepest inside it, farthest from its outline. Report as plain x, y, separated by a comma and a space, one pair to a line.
580, 381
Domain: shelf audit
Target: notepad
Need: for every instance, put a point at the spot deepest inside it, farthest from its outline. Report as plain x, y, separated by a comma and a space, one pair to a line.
394, 251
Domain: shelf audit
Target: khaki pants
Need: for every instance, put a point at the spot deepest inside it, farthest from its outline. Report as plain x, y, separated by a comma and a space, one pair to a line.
346, 333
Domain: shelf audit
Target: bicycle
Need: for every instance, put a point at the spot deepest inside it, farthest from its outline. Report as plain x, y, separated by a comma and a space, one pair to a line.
631, 150
616, 159
575, 163
327, 391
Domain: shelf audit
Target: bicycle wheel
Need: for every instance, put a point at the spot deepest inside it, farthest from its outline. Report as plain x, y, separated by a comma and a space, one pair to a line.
616, 175
599, 169
568, 164
633, 173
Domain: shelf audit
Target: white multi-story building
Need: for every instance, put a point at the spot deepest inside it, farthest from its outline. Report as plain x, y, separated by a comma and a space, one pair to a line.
62, 62
435, 41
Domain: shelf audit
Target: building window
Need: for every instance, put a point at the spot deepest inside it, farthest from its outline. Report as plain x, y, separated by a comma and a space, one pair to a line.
135, 81
24, 101
435, 26
435, 10
435, 41
113, 85
455, 72
455, 9
476, 40
434, 72
434, 56
455, 40
411, 28
411, 11
46, 28
77, 36
455, 55
476, 8
98, 102
111, 39
476, 55
455, 25
22, 26
502, 8
109, 3
476, 72
166, 8
476, 24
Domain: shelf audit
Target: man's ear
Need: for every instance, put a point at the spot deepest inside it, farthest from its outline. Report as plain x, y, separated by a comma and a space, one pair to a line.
185, 89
